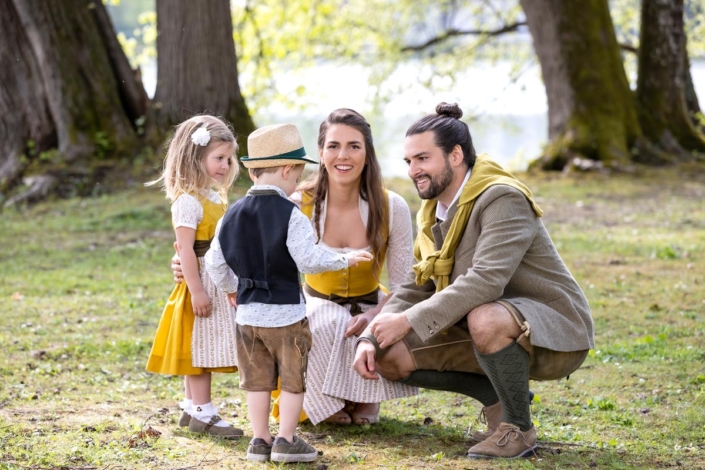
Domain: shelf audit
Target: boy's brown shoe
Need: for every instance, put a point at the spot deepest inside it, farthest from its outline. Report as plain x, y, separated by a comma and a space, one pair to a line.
226, 432
259, 450
297, 451
507, 442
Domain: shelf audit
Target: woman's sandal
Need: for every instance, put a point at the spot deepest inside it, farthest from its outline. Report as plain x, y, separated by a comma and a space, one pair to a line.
341, 417
365, 418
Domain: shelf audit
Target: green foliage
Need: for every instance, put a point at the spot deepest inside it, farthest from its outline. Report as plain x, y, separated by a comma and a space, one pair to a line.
140, 45
695, 27
700, 119
275, 38
102, 145
666, 252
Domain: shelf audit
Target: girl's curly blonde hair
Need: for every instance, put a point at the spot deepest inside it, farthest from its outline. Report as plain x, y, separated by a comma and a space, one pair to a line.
184, 165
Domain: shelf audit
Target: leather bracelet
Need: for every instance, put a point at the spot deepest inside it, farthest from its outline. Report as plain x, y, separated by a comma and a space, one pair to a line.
367, 336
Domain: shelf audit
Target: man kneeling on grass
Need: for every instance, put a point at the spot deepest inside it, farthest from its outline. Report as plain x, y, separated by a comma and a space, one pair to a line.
490, 303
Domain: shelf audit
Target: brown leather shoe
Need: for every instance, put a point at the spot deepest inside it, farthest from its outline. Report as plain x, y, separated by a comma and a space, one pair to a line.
507, 442
226, 432
491, 416
185, 419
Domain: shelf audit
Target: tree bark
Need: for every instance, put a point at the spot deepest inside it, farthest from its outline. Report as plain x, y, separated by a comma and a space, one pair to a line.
132, 93
662, 82
26, 128
691, 98
197, 66
81, 89
591, 110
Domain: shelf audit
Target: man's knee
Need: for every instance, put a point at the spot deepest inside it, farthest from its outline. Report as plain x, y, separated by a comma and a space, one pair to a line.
489, 323
396, 363
486, 320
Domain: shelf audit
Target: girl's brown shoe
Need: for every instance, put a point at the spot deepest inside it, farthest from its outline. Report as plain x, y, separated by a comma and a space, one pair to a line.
226, 432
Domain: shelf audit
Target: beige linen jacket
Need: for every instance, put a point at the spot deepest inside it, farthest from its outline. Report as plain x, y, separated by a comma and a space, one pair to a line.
505, 253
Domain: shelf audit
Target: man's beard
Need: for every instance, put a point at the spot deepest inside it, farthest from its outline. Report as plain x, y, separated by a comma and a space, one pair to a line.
437, 184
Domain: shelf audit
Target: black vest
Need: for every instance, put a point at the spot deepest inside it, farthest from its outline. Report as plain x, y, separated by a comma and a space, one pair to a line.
253, 240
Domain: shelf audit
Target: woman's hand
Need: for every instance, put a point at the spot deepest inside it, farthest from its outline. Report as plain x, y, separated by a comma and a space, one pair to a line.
201, 304
232, 299
357, 324
176, 265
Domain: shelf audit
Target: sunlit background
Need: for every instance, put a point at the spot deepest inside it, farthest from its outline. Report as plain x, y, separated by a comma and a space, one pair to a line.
503, 97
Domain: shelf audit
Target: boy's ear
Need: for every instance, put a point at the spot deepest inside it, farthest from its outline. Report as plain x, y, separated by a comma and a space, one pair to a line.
286, 170
252, 175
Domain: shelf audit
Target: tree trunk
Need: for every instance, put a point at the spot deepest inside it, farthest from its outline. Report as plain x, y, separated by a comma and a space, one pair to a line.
26, 128
81, 89
132, 93
197, 66
691, 98
662, 82
591, 110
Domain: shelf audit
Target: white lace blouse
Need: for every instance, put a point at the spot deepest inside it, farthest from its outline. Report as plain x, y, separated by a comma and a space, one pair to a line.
187, 210
400, 250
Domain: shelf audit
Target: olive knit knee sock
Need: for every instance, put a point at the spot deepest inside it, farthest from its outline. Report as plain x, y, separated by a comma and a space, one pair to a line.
476, 386
508, 370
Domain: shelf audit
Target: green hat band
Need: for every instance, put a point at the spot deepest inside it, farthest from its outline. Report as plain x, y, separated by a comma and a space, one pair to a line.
293, 155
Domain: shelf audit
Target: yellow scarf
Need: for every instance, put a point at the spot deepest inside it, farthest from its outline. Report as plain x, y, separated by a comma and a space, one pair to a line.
438, 264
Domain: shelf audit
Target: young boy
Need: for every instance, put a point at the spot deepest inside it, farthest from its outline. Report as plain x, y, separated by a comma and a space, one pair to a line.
266, 241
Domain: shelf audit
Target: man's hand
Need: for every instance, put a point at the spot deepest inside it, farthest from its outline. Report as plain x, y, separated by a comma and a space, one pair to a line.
365, 360
389, 328
176, 266
232, 299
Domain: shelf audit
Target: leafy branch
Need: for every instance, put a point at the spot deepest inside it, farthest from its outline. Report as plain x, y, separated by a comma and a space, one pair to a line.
453, 32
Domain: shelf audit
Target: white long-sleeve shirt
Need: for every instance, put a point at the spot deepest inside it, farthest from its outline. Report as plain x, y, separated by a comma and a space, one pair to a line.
309, 257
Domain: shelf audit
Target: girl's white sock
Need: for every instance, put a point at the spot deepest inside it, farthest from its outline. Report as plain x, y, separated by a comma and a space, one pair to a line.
186, 405
205, 412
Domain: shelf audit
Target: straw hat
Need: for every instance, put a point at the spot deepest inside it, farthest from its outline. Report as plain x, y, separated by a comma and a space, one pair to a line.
276, 145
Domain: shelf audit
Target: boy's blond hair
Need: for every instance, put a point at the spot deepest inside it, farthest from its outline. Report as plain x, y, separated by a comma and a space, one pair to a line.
184, 167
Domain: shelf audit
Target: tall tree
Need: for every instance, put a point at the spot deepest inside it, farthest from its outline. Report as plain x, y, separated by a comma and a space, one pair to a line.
63, 66
691, 97
662, 84
591, 110
25, 124
197, 66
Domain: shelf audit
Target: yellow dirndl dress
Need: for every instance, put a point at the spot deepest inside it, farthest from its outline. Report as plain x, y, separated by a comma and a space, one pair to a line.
171, 350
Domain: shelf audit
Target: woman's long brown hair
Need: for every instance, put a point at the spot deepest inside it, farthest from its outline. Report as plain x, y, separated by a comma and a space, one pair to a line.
371, 185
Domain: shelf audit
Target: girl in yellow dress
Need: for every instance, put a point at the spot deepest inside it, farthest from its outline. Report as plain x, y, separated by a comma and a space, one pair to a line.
196, 334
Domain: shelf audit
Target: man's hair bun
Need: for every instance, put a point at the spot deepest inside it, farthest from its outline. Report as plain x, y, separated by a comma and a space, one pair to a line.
450, 110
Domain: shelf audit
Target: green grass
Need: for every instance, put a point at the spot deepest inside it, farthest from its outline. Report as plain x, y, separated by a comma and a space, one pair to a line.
83, 283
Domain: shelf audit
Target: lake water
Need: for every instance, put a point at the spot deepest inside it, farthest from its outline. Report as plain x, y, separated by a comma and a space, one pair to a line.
507, 119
